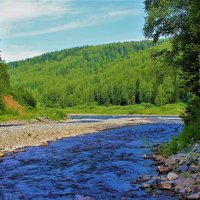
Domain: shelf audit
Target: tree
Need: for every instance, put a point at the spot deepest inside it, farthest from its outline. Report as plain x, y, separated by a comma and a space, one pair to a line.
4, 82
179, 20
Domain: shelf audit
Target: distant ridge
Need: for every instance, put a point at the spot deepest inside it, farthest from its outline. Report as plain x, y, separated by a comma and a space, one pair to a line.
110, 74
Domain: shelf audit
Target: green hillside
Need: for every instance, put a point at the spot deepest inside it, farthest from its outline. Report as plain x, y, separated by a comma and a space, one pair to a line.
111, 74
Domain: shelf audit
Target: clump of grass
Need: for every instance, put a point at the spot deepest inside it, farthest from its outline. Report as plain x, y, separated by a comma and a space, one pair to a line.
185, 175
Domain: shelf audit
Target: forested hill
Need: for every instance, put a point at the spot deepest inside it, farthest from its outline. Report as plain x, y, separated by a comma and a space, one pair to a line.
117, 74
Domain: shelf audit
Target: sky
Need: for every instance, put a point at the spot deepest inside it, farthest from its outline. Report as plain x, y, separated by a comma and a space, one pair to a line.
32, 27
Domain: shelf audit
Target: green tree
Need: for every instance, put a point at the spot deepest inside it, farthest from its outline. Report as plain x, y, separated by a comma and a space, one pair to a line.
179, 20
161, 98
4, 82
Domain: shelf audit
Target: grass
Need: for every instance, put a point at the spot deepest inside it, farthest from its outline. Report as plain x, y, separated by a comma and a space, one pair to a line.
142, 109
189, 136
58, 113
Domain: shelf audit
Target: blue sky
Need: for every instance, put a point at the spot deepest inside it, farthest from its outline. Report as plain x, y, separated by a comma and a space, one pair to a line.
32, 27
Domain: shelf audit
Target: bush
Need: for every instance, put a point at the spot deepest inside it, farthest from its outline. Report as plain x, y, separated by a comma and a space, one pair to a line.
192, 111
191, 131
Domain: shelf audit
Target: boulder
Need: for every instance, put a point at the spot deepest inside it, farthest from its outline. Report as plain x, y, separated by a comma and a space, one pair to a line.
193, 168
194, 196
170, 161
158, 158
183, 168
172, 176
163, 168
166, 185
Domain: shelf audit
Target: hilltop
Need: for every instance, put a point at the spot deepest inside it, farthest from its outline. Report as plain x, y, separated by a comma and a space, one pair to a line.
111, 74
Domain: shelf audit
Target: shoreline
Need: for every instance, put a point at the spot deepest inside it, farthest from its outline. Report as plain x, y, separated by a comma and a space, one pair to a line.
139, 115
179, 174
17, 135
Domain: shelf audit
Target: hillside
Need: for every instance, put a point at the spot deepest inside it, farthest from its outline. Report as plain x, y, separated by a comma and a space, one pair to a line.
111, 74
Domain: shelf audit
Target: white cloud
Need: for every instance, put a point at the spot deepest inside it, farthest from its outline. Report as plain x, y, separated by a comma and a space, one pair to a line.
16, 10
116, 13
15, 52
88, 21
13, 12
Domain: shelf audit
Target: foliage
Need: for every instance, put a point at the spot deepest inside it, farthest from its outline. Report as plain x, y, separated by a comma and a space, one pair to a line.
4, 83
179, 20
192, 111
24, 97
112, 74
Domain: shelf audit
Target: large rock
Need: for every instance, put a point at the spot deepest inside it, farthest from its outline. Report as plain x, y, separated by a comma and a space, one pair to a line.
193, 168
172, 176
170, 161
163, 169
183, 168
194, 196
166, 185
158, 158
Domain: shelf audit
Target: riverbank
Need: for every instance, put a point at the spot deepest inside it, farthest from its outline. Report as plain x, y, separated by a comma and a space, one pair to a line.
15, 135
179, 173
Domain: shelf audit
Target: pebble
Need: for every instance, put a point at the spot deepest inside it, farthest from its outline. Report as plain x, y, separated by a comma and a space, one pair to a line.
172, 176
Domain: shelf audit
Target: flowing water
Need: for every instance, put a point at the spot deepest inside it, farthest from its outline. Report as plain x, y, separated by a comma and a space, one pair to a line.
101, 165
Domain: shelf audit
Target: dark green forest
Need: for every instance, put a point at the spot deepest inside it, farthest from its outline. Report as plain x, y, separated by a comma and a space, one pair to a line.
111, 74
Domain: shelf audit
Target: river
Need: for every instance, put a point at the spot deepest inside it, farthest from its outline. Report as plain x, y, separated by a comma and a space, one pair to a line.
102, 165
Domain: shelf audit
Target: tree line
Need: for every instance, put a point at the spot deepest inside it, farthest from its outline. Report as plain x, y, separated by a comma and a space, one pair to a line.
111, 74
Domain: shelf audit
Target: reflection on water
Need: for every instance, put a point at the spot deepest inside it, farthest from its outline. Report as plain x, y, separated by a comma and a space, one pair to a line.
101, 165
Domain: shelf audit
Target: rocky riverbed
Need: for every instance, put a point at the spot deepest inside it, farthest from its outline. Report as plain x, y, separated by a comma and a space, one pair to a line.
179, 174
120, 163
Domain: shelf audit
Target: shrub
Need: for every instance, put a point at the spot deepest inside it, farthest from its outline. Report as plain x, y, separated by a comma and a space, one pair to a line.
191, 131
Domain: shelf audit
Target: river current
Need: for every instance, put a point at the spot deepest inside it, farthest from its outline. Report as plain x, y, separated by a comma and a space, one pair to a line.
101, 165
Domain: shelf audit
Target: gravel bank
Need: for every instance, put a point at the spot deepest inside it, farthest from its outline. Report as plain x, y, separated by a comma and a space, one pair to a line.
18, 134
